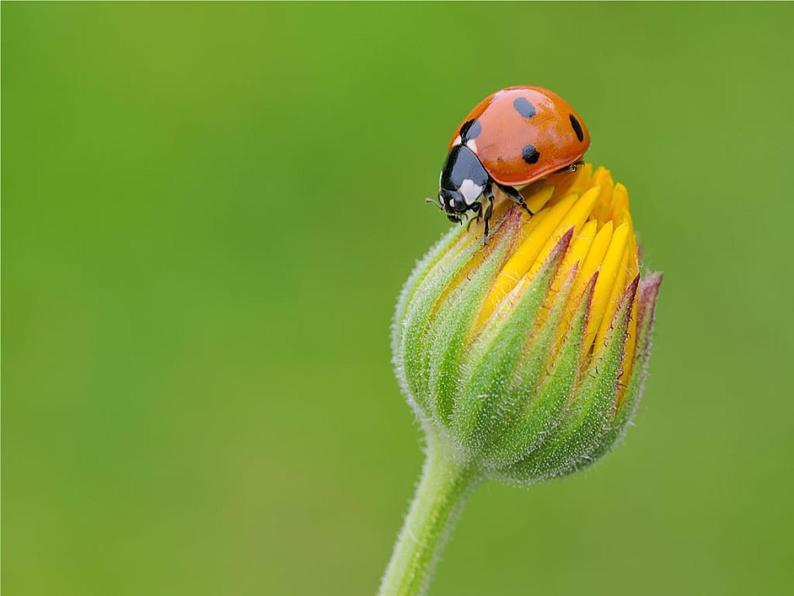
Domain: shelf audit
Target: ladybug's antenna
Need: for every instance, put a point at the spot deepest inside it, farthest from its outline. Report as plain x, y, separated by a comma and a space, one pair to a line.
432, 201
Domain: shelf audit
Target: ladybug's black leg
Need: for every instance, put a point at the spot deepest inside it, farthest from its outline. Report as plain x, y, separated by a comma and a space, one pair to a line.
488, 192
477, 208
514, 196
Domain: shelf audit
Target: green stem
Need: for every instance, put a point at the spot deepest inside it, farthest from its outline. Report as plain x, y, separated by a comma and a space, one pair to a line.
439, 499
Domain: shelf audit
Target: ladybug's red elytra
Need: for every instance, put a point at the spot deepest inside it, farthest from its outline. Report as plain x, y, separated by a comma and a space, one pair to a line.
511, 138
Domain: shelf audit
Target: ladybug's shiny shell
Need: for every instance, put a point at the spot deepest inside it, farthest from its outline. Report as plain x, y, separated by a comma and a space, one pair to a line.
521, 134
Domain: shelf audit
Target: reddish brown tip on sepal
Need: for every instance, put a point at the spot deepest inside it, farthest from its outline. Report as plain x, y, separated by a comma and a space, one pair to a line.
561, 247
649, 292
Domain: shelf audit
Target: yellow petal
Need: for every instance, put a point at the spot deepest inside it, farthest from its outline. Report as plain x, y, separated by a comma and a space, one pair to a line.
579, 247
538, 200
596, 249
574, 218
620, 201
540, 227
594, 257
618, 286
632, 270
628, 352
583, 179
566, 183
575, 257
603, 178
607, 273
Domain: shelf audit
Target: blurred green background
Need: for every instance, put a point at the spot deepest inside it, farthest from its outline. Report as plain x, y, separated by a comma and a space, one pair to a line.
209, 211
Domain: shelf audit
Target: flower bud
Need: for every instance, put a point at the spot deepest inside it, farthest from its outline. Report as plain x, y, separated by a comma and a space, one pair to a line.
527, 355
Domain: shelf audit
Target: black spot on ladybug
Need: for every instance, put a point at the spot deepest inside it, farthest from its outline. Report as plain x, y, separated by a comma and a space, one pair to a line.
530, 154
524, 107
470, 130
577, 128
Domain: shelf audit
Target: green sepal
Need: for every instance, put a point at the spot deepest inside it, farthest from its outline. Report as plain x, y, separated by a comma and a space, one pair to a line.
399, 322
412, 355
412, 352
491, 365
419, 272
627, 408
532, 369
545, 412
591, 412
453, 323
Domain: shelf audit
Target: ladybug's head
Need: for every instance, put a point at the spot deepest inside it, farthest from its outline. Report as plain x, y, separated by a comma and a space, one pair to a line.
453, 203
463, 180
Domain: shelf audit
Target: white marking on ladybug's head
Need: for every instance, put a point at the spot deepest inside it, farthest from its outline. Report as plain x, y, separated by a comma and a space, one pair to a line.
472, 145
470, 191
457, 141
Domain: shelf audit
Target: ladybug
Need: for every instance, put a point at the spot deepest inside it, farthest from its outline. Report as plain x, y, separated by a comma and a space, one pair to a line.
511, 138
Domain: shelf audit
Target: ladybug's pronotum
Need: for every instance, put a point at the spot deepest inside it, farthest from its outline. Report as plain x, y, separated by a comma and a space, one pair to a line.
511, 138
